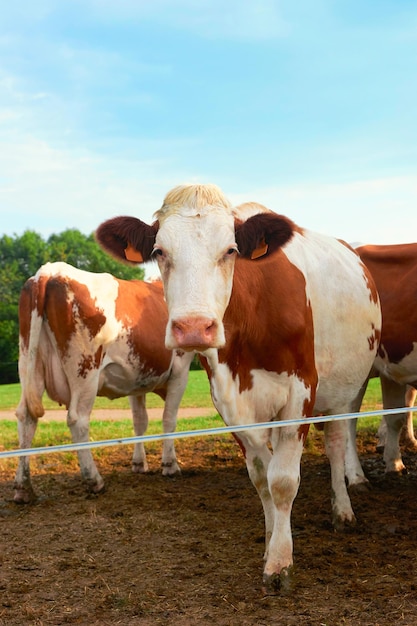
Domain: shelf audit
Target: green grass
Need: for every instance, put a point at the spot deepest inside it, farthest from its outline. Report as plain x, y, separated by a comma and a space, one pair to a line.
57, 433
196, 395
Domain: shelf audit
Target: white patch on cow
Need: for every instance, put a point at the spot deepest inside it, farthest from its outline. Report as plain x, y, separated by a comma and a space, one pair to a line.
273, 396
206, 237
325, 263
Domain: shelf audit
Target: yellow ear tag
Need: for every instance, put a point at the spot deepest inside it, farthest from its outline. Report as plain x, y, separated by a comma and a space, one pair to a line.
132, 254
260, 250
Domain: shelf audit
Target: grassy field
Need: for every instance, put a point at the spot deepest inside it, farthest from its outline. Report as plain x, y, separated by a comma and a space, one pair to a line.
197, 395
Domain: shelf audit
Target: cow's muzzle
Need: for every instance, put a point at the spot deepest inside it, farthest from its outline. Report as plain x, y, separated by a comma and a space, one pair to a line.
195, 333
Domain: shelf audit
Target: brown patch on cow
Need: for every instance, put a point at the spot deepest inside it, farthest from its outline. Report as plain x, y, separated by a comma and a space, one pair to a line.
91, 317
25, 310
375, 338
303, 432
32, 297
58, 312
62, 294
89, 362
139, 310
86, 365
276, 332
394, 271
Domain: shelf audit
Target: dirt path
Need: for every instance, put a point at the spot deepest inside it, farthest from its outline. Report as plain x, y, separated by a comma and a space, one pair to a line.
187, 551
112, 414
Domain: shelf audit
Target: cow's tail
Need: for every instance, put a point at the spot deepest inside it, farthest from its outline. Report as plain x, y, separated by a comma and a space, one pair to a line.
31, 367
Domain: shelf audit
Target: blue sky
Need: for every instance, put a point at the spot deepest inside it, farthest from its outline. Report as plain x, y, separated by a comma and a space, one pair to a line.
308, 107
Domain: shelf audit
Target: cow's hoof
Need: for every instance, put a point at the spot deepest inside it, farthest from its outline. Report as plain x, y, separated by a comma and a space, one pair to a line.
279, 583
343, 523
170, 469
95, 487
24, 496
139, 468
360, 487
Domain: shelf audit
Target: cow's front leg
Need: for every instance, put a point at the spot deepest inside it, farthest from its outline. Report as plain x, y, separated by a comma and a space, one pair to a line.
283, 482
258, 457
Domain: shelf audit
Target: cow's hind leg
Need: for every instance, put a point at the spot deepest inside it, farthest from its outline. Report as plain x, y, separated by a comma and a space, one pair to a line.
408, 436
26, 426
393, 396
355, 476
335, 435
79, 426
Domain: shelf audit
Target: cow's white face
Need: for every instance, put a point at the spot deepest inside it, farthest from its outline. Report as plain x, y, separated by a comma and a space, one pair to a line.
196, 251
195, 239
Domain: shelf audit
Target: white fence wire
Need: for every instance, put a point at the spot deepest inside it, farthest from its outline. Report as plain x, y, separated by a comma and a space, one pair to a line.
220, 430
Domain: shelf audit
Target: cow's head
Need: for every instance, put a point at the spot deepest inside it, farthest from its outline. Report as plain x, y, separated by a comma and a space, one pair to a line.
195, 239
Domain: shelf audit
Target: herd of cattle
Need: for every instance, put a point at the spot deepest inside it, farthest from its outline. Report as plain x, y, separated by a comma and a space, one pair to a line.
287, 323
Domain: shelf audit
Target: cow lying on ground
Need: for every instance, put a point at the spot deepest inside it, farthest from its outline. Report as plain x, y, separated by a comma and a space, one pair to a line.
394, 270
83, 335
287, 322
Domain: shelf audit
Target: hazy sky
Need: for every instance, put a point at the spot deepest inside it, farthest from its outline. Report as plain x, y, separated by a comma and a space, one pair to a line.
308, 107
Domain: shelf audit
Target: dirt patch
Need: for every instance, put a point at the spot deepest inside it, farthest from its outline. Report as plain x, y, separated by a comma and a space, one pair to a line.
188, 550
60, 415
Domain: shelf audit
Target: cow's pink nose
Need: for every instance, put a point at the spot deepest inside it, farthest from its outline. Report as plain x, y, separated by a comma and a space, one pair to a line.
194, 333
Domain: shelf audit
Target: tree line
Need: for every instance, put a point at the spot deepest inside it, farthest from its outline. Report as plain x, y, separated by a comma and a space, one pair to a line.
21, 257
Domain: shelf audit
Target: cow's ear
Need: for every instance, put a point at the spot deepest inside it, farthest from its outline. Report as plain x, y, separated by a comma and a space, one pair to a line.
128, 239
262, 234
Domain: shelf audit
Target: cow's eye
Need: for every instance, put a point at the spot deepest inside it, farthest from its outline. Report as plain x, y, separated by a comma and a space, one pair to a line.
157, 252
231, 252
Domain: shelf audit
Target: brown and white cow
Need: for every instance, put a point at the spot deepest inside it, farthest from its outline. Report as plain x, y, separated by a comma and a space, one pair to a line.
394, 270
287, 321
82, 335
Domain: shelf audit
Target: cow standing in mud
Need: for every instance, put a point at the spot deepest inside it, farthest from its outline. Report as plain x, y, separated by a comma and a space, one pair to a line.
287, 322
82, 335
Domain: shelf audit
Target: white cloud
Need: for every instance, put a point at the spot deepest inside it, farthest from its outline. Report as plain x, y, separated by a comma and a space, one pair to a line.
234, 19
379, 210
48, 190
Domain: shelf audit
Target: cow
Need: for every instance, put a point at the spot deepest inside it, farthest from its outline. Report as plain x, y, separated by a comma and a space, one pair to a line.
83, 335
394, 270
287, 323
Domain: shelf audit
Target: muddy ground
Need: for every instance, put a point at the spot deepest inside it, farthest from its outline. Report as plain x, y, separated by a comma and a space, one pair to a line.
188, 550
